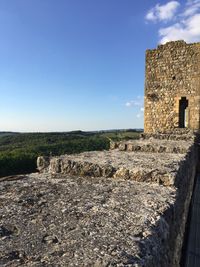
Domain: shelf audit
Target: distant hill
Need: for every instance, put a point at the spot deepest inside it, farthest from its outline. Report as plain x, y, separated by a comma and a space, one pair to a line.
8, 133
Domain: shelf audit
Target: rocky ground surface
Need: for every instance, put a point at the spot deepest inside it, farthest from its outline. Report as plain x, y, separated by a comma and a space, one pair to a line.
149, 167
58, 220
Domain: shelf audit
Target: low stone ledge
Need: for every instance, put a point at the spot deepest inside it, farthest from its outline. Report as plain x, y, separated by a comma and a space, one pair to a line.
127, 165
177, 135
153, 145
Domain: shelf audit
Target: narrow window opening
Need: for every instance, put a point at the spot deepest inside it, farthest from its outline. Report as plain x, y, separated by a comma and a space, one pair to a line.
183, 112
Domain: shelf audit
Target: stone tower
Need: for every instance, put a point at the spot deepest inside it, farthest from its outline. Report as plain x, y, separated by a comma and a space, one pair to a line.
172, 87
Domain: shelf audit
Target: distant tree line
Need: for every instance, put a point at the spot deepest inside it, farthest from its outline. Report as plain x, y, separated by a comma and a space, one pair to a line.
18, 152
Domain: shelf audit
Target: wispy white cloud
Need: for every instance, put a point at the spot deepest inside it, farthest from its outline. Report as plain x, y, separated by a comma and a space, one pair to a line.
185, 25
133, 103
191, 8
129, 104
188, 30
163, 12
139, 115
138, 103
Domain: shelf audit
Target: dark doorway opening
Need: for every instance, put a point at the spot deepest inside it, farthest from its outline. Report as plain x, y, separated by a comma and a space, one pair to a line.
183, 112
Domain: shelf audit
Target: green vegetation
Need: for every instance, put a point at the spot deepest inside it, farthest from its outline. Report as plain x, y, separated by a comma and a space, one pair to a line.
122, 135
19, 151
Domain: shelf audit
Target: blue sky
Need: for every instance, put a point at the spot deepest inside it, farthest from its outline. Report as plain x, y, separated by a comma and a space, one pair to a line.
79, 64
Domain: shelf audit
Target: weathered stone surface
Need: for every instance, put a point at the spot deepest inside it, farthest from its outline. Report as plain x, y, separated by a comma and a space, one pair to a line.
42, 163
59, 220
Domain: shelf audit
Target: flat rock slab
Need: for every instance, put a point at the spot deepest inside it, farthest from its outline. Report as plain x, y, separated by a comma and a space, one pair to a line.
59, 220
140, 166
153, 145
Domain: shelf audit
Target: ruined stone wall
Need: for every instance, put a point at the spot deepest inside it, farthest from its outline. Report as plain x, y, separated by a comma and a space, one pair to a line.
169, 161
123, 207
172, 72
